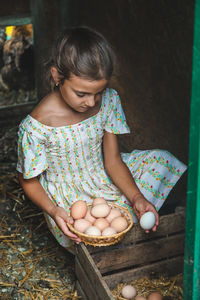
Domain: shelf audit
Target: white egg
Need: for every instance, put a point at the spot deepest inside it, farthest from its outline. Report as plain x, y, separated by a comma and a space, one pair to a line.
93, 230
148, 220
108, 231
128, 291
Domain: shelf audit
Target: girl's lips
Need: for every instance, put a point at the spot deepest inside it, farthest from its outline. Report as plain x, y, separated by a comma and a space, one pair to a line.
85, 107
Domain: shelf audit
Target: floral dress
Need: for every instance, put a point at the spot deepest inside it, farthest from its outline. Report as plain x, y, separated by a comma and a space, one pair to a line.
69, 161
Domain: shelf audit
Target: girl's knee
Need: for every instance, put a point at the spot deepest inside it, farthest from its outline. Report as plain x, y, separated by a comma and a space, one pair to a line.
162, 153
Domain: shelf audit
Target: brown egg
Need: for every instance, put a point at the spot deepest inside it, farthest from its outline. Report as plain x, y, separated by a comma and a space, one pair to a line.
119, 224
101, 223
154, 296
114, 213
99, 200
78, 209
89, 217
81, 225
100, 210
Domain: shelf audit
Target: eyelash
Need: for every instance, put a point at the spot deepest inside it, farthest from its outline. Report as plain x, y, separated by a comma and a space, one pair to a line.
82, 95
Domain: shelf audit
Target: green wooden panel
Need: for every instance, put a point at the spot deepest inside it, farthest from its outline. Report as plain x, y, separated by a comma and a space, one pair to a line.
191, 284
15, 21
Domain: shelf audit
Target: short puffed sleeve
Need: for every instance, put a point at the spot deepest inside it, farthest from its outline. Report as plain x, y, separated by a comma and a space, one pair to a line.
116, 120
31, 153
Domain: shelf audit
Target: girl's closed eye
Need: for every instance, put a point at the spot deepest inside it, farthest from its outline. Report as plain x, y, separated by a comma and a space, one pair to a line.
80, 95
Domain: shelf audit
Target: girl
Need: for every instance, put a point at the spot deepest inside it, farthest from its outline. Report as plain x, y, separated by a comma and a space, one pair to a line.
68, 148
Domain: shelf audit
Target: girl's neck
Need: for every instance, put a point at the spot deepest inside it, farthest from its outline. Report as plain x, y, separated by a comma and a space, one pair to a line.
53, 111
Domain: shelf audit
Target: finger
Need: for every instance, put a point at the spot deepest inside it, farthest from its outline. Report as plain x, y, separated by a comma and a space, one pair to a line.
65, 229
70, 220
154, 228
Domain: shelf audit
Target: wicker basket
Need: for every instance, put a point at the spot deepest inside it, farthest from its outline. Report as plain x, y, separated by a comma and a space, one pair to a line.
105, 240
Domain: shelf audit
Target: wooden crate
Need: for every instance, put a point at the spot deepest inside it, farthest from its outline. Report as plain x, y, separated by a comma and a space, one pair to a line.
100, 269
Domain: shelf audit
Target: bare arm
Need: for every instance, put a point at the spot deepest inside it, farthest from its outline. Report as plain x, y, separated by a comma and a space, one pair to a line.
35, 192
122, 177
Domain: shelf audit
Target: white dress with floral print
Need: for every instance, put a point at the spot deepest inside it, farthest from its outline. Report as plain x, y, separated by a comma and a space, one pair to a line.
69, 161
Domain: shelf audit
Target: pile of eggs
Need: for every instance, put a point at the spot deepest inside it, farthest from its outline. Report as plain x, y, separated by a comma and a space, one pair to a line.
129, 292
99, 220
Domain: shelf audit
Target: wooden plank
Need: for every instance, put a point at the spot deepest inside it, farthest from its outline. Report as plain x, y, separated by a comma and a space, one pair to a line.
13, 114
169, 224
143, 253
101, 289
85, 283
80, 291
168, 267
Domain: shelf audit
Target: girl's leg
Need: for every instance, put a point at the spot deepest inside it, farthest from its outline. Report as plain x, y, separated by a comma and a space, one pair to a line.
155, 172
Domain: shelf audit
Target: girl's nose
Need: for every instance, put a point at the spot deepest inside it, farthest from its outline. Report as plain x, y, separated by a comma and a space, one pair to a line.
90, 101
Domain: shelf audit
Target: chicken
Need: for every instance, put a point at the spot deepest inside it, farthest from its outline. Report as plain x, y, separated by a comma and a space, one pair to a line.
2, 41
18, 69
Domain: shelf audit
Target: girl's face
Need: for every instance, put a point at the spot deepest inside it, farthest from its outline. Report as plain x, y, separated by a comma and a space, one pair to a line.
81, 94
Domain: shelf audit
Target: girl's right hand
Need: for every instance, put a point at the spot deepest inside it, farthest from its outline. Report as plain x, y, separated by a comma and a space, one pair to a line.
61, 218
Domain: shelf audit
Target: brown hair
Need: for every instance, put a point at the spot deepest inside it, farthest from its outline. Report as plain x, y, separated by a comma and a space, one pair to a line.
83, 52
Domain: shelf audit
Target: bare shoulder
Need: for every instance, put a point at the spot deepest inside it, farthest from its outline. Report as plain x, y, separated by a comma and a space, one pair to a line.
46, 109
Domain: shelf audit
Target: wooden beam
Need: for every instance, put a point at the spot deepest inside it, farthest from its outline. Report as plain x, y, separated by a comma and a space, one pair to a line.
15, 20
161, 268
46, 26
139, 254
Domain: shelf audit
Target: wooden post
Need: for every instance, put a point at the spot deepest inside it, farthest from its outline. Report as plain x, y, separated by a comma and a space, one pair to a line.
49, 18
191, 283
46, 25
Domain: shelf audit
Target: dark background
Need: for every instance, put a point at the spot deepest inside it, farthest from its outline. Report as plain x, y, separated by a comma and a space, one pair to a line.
153, 41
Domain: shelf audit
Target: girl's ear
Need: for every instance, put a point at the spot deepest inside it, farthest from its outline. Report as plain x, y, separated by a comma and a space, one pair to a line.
55, 75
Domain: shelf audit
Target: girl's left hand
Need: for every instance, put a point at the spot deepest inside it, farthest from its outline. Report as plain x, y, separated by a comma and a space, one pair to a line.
141, 206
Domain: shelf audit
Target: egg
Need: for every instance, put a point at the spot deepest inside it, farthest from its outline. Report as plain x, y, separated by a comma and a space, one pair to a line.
140, 298
81, 225
89, 217
99, 200
78, 209
101, 223
93, 230
108, 231
128, 291
119, 224
100, 210
148, 220
155, 296
115, 212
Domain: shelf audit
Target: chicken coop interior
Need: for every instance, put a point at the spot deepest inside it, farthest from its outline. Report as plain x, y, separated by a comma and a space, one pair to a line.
153, 41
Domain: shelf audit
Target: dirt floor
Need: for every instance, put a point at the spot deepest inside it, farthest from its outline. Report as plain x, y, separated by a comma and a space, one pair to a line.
33, 265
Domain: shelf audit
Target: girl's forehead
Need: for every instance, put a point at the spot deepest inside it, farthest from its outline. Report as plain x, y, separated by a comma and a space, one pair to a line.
80, 83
